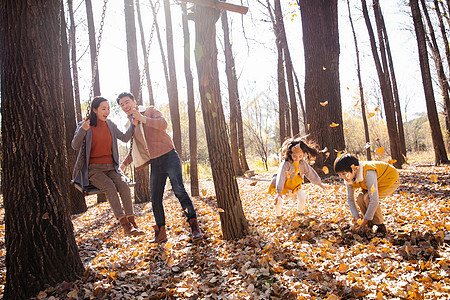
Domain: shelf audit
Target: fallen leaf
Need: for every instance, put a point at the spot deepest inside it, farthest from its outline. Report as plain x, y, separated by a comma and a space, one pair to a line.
324, 103
370, 115
392, 161
325, 169
324, 68
434, 177
346, 130
380, 151
333, 125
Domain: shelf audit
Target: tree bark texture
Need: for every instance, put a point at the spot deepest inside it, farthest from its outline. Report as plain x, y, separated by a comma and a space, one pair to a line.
388, 66
444, 85
233, 94
73, 47
145, 54
440, 154
321, 44
93, 47
173, 88
142, 177
289, 69
386, 91
361, 89
40, 245
232, 218
76, 199
193, 152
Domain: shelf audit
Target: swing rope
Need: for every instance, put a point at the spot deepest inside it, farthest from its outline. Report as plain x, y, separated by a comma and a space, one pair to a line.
147, 51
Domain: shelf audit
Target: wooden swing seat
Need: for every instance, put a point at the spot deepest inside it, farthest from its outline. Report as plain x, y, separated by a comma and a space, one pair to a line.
93, 190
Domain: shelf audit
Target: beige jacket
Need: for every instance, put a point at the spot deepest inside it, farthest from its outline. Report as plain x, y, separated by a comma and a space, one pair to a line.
150, 138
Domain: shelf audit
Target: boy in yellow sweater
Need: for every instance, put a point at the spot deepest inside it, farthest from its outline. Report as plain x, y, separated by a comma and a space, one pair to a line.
376, 179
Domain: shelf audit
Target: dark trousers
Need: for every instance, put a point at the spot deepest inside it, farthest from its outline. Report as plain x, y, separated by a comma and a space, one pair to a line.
168, 165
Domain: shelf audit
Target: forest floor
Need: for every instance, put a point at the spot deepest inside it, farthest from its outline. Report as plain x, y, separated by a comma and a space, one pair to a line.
310, 256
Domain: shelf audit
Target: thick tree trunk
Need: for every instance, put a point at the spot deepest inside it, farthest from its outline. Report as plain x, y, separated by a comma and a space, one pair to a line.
73, 46
142, 177
232, 218
76, 199
388, 66
440, 154
233, 95
40, 245
193, 152
93, 47
361, 90
289, 69
386, 91
321, 44
145, 53
173, 89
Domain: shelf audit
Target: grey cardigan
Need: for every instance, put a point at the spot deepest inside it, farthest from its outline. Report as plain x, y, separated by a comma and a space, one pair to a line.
80, 172
286, 170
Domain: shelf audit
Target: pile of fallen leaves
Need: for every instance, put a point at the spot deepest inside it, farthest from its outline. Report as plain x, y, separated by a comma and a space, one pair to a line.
315, 255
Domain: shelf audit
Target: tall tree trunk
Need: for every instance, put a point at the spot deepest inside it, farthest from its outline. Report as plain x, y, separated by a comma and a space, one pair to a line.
321, 44
300, 98
40, 244
73, 46
361, 90
289, 69
283, 106
142, 177
233, 95
389, 69
445, 86
193, 152
76, 199
173, 89
242, 155
232, 218
386, 92
440, 154
92, 47
145, 53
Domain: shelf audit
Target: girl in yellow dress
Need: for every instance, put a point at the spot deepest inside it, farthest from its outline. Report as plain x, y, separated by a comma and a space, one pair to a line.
291, 172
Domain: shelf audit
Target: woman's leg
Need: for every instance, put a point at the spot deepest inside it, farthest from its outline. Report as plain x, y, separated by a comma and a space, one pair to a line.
99, 178
124, 191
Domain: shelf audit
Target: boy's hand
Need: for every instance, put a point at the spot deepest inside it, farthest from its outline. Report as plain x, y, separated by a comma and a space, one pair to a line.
363, 226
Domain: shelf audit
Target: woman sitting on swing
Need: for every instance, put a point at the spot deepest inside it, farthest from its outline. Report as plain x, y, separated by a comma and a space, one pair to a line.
101, 167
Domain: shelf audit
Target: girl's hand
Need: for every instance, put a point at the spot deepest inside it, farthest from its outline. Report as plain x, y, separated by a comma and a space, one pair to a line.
86, 125
135, 122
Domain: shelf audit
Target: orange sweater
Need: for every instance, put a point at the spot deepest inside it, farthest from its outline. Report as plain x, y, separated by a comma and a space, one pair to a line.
101, 152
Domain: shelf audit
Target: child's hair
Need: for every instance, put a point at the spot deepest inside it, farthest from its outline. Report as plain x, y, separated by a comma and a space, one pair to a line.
124, 94
345, 163
286, 149
95, 104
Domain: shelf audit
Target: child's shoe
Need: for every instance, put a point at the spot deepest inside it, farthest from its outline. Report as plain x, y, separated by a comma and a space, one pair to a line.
381, 230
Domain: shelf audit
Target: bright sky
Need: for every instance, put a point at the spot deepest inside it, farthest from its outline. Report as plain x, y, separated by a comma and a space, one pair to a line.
256, 56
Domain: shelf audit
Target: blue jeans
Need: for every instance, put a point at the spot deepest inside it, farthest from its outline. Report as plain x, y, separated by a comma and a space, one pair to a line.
168, 165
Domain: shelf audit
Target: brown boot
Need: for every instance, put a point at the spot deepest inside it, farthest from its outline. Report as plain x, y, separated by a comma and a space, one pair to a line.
160, 234
128, 229
132, 221
196, 233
